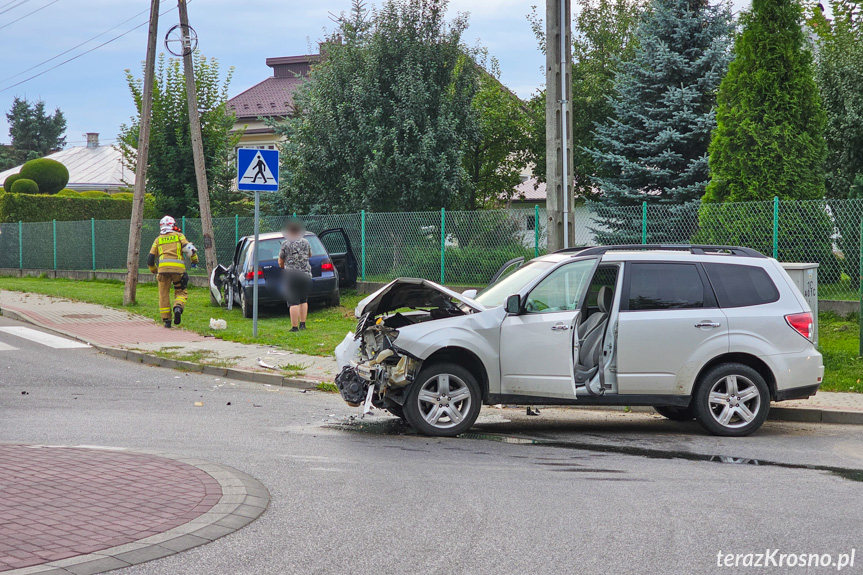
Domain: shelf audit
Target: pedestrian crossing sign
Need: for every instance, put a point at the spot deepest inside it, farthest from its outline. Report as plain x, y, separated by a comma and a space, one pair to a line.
257, 170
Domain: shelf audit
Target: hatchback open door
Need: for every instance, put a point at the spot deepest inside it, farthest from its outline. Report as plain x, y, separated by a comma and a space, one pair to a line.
338, 245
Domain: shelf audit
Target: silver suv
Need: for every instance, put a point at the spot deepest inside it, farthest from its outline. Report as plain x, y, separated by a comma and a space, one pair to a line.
711, 333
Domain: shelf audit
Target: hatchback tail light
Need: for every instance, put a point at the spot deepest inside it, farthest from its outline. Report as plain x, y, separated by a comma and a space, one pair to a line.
802, 324
327, 267
250, 275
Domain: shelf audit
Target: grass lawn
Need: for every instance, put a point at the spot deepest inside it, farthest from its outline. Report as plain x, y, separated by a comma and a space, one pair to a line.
326, 326
839, 341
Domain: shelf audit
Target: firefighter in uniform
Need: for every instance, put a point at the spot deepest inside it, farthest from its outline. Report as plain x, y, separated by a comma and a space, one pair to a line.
166, 260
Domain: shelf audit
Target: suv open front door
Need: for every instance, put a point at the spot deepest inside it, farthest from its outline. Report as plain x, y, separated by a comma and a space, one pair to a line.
537, 348
339, 247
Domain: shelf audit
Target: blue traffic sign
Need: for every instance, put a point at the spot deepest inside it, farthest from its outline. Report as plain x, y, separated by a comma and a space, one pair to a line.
257, 170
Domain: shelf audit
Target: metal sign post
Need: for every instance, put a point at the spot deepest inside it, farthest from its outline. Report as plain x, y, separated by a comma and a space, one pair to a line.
255, 265
257, 171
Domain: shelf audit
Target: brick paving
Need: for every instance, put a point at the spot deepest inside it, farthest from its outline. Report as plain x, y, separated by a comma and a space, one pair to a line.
104, 326
61, 502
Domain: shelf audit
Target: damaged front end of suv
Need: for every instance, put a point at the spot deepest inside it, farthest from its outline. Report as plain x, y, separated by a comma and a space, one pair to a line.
395, 333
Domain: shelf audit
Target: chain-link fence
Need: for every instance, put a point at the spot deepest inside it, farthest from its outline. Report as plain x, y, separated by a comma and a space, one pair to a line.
466, 248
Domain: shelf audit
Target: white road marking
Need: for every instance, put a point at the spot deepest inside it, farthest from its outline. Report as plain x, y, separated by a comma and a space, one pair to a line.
43, 338
4, 347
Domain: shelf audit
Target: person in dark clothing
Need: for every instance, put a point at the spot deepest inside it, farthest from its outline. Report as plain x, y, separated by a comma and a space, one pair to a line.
294, 259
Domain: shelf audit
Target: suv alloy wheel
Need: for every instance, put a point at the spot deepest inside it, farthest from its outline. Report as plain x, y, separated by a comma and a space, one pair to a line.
731, 399
443, 401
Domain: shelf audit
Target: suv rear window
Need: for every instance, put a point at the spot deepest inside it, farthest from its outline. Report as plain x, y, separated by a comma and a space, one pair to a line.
665, 286
740, 286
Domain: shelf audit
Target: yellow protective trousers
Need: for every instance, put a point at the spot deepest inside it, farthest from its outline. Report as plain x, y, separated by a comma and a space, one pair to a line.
165, 281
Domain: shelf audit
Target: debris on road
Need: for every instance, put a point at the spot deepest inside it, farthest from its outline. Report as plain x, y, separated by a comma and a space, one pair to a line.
262, 363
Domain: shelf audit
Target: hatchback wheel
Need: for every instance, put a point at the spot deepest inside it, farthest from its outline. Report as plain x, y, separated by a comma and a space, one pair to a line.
444, 400
229, 295
732, 399
245, 304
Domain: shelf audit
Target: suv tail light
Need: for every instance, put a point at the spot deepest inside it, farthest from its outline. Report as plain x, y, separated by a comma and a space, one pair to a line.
802, 324
250, 275
327, 266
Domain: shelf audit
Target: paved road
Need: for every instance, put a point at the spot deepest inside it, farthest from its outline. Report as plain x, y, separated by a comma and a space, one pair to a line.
609, 493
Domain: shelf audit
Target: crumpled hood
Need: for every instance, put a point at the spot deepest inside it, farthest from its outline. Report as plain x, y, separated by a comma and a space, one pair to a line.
411, 293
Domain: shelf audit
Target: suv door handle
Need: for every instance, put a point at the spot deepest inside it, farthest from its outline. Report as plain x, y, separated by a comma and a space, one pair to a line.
707, 324
559, 327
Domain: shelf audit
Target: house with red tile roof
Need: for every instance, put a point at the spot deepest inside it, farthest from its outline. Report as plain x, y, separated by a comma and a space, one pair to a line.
272, 98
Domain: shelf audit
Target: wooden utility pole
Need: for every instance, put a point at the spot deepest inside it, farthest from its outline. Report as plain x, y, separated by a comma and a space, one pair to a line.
197, 146
133, 255
558, 115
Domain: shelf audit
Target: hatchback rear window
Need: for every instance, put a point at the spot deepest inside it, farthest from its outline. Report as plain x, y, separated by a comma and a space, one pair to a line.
270, 248
740, 286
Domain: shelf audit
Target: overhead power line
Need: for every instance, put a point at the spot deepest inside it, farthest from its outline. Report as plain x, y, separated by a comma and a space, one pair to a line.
75, 47
4, 9
105, 43
28, 14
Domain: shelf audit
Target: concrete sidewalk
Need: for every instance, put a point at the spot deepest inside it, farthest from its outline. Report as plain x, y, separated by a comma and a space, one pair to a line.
133, 337
129, 336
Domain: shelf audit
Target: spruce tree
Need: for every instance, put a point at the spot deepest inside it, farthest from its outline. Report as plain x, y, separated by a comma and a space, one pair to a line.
769, 139
655, 149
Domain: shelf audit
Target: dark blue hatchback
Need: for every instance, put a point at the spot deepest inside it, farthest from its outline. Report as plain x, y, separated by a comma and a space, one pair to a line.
330, 270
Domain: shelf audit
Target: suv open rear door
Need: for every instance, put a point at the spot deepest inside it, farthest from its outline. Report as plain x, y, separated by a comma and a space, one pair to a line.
339, 247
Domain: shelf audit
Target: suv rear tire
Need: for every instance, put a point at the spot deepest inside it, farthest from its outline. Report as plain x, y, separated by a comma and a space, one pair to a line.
732, 400
443, 401
675, 413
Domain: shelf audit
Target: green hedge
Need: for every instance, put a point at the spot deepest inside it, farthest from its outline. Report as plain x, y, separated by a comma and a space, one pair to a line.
7, 184
50, 175
41, 208
24, 186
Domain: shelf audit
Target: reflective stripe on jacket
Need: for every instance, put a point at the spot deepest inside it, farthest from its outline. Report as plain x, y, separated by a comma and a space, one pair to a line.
168, 250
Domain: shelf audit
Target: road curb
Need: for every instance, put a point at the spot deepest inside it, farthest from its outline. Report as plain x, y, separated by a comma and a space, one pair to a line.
777, 413
243, 500
154, 360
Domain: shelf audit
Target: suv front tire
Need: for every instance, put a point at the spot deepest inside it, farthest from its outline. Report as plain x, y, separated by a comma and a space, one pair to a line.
732, 400
443, 401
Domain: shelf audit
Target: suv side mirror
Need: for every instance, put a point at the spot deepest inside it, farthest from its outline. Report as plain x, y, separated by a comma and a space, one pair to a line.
471, 293
513, 304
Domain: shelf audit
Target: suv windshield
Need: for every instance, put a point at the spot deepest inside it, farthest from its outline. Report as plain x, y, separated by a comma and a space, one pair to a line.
495, 294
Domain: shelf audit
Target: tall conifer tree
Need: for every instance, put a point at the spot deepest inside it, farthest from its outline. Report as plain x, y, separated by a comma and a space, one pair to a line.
655, 149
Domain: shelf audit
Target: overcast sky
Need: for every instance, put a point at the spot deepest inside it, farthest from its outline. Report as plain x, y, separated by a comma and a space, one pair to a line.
91, 90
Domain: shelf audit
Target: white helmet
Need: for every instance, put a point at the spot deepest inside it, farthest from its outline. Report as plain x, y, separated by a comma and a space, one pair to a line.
167, 224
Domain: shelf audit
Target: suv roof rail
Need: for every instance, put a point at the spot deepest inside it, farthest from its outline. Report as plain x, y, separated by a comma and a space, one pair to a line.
691, 248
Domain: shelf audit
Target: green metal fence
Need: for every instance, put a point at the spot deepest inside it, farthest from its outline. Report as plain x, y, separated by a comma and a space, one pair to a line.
467, 247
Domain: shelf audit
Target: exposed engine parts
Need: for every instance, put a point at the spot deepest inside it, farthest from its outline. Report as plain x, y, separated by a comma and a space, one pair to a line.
351, 387
375, 369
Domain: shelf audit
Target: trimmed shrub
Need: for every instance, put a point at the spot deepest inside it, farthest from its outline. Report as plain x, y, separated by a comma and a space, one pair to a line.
50, 175
24, 186
41, 208
67, 193
128, 196
7, 185
94, 194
